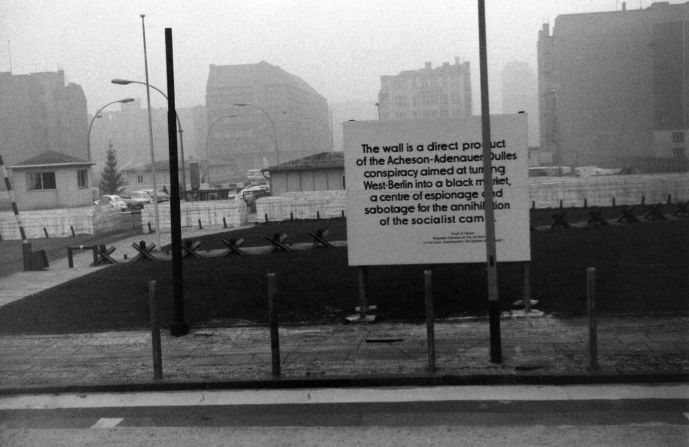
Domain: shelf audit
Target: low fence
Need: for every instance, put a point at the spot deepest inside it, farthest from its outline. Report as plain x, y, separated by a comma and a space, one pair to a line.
66, 222
213, 213
301, 205
553, 192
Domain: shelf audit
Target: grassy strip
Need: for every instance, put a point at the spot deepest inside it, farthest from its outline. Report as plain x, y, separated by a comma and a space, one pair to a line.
641, 268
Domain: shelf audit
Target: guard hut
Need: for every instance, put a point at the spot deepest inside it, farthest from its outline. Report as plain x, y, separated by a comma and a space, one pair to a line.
319, 172
52, 180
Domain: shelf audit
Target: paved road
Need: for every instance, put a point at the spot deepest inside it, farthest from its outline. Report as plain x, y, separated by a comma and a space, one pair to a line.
499, 415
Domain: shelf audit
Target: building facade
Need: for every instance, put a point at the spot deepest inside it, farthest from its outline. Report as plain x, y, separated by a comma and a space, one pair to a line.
520, 94
613, 88
279, 117
319, 172
428, 93
40, 112
127, 130
52, 180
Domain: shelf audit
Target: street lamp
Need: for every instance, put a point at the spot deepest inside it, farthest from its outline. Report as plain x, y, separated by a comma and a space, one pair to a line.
272, 123
179, 124
88, 137
208, 134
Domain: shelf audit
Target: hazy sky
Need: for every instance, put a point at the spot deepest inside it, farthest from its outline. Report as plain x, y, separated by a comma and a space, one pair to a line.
340, 47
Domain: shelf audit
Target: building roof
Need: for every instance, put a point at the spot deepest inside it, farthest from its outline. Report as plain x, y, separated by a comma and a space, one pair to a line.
323, 160
53, 159
250, 74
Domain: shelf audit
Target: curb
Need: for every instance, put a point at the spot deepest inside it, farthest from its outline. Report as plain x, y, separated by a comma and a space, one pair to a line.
368, 381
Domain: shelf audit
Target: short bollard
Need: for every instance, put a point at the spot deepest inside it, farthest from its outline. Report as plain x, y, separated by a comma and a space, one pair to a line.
430, 329
526, 286
593, 324
274, 333
363, 286
155, 331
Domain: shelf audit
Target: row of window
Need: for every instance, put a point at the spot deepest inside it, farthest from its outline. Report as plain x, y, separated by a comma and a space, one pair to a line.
428, 98
425, 114
43, 180
424, 82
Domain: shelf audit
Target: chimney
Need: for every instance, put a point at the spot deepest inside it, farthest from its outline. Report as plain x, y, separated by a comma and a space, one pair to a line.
428, 66
624, 6
456, 60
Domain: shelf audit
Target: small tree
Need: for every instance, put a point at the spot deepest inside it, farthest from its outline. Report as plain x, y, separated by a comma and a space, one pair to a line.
111, 179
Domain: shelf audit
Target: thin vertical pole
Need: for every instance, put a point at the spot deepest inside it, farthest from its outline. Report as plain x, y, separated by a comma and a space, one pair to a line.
526, 284
363, 284
179, 326
593, 323
430, 330
155, 331
150, 139
274, 331
491, 258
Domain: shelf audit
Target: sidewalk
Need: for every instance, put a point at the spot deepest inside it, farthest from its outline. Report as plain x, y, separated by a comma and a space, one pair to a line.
20, 285
535, 349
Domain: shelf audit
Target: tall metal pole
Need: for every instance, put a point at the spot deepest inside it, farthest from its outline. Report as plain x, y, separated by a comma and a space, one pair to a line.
150, 137
179, 326
179, 125
491, 259
208, 134
88, 137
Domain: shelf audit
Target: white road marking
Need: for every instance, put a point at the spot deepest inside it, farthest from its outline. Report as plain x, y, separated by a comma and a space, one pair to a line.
107, 423
347, 395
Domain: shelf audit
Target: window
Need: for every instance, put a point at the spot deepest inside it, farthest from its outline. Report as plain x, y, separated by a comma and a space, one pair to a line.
678, 137
82, 178
40, 180
139, 179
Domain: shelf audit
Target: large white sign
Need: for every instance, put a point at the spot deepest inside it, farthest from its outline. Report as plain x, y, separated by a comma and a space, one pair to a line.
415, 191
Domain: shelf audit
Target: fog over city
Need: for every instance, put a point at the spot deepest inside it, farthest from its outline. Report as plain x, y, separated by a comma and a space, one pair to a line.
341, 48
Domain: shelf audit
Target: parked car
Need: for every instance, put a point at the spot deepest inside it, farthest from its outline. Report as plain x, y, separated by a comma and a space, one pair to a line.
113, 201
162, 196
252, 193
234, 194
136, 200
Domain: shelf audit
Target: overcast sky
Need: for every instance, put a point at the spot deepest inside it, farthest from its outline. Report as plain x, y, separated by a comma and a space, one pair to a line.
340, 47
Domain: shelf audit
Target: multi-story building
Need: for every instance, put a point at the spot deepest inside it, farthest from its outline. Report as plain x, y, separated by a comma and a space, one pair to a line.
280, 117
520, 94
613, 88
428, 93
127, 130
40, 113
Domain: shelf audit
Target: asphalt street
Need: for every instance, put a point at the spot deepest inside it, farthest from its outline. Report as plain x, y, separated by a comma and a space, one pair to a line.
630, 415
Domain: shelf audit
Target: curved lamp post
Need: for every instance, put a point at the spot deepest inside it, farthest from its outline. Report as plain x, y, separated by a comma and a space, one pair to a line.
208, 134
88, 138
272, 123
179, 124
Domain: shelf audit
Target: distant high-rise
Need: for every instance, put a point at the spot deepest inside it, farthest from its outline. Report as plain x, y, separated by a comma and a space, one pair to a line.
39, 113
427, 93
613, 88
127, 130
283, 117
520, 94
